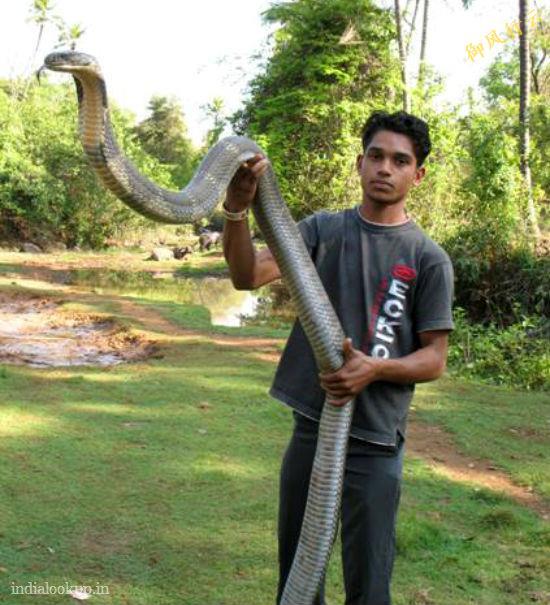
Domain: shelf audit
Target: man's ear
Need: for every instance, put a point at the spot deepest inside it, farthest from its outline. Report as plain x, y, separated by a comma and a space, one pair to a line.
359, 162
419, 176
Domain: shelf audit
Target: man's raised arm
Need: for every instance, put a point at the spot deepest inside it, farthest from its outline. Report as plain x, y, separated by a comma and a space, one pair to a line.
248, 269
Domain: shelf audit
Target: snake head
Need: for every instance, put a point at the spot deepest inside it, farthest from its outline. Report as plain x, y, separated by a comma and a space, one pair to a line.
71, 61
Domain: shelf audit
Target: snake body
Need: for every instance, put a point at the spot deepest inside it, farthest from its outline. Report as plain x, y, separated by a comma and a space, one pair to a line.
319, 321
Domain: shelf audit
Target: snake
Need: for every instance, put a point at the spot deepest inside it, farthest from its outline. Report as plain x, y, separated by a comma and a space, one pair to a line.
198, 199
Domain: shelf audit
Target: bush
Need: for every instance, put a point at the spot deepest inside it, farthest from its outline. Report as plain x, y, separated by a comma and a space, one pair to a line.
516, 356
499, 289
48, 191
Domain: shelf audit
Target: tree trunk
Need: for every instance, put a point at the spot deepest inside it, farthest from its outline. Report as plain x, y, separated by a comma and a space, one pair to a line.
412, 26
402, 56
524, 93
421, 67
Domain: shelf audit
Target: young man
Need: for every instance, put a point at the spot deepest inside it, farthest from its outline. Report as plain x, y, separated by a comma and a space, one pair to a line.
392, 288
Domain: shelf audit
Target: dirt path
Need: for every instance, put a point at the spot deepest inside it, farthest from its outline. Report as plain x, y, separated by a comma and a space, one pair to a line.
435, 446
430, 443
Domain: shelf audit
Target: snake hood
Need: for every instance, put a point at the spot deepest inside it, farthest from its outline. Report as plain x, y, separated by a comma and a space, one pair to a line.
83, 67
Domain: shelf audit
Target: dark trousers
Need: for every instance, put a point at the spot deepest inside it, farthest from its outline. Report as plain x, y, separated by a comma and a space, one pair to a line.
370, 500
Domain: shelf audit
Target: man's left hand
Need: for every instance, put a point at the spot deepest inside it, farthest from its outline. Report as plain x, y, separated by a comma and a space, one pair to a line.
358, 371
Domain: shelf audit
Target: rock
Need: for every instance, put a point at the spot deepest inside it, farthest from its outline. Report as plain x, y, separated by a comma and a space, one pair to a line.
209, 239
56, 247
182, 252
160, 254
30, 248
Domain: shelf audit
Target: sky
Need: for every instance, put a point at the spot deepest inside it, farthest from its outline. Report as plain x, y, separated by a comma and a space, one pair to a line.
203, 49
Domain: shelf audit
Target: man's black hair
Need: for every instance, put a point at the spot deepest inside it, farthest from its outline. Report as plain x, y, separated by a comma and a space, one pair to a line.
403, 123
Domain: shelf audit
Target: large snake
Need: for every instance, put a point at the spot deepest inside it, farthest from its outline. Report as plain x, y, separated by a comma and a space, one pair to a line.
319, 321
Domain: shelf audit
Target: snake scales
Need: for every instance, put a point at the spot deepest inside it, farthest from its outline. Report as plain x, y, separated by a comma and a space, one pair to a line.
321, 325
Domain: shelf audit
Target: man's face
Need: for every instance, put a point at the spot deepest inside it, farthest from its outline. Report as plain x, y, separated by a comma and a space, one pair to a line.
388, 168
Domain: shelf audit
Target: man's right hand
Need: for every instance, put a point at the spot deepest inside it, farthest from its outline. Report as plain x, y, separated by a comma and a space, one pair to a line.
244, 185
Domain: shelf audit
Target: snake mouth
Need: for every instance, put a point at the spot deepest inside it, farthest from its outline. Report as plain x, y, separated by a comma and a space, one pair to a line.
69, 61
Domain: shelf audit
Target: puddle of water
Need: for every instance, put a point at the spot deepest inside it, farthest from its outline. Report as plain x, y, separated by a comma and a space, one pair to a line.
34, 332
267, 306
227, 306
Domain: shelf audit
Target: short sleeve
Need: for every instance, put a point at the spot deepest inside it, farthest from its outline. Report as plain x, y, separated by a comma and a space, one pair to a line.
433, 299
310, 233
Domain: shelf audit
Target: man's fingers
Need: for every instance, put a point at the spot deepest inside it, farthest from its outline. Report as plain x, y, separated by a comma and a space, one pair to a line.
251, 170
350, 373
241, 173
253, 161
337, 392
347, 348
337, 387
330, 378
338, 402
259, 168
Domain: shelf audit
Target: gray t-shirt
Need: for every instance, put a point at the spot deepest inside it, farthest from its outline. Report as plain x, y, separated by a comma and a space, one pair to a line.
387, 284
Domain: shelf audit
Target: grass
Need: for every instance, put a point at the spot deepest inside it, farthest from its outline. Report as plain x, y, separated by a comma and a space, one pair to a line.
511, 428
159, 479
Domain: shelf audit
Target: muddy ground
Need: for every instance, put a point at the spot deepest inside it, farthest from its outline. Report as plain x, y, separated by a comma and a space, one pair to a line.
38, 331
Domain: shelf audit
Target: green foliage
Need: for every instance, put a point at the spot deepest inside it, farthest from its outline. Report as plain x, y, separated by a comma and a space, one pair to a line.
540, 155
500, 86
502, 79
438, 203
42, 13
164, 136
500, 289
47, 189
214, 111
493, 185
515, 356
307, 107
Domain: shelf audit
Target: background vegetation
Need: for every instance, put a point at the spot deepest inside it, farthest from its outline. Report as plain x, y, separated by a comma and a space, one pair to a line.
159, 478
331, 64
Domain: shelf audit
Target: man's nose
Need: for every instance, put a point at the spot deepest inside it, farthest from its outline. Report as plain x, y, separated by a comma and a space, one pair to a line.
384, 167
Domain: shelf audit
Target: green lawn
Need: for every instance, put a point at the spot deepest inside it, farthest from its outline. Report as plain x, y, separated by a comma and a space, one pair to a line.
159, 480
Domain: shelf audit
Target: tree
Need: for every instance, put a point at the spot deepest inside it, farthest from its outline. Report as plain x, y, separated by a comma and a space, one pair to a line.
164, 135
402, 55
41, 14
529, 64
524, 96
47, 190
404, 45
422, 66
68, 34
501, 87
540, 60
331, 65
215, 112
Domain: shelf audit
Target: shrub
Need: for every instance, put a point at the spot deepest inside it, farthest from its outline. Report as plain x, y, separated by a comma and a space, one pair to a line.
499, 289
516, 356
